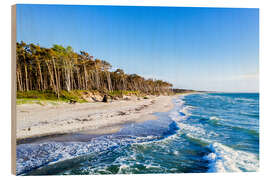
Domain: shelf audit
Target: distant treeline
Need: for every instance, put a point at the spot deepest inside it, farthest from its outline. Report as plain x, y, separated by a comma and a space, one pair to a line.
60, 68
183, 90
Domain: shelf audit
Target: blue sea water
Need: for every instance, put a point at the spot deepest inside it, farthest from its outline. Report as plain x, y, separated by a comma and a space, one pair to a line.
203, 133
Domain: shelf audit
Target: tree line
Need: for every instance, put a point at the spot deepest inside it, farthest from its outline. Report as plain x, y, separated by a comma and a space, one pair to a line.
60, 68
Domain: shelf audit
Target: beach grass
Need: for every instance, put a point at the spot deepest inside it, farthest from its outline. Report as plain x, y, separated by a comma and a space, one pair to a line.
48, 97
120, 93
38, 101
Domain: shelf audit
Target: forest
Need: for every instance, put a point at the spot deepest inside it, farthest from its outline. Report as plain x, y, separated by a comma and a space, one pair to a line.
60, 68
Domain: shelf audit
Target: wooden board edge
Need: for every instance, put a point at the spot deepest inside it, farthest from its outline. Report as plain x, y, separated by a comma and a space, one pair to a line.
13, 89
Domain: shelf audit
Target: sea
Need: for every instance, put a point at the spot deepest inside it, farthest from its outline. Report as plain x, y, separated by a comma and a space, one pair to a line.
203, 133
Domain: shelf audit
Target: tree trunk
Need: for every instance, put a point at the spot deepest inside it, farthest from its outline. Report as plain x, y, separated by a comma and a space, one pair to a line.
19, 85
26, 77
109, 80
52, 77
56, 78
40, 76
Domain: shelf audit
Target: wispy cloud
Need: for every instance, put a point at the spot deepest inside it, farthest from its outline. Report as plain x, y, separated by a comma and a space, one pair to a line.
248, 76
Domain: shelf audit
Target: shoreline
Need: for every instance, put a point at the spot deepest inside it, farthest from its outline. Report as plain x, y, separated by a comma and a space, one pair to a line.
145, 133
40, 122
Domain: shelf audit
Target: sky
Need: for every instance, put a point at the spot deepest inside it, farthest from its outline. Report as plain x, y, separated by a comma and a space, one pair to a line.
212, 49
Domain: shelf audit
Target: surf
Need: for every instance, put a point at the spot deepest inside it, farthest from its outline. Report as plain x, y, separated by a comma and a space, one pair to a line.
193, 137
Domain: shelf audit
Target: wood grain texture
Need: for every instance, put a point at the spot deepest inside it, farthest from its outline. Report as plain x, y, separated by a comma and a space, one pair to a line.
13, 89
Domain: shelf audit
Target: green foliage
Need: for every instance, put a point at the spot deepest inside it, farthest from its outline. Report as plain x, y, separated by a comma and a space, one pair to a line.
182, 91
63, 74
73, 95
41, 97
38, 101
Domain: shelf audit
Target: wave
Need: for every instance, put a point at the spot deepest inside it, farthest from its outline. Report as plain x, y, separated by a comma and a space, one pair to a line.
225, 159
120, 148
221, 157
215, 121
36, 155
244, 99
191, 130
30, 157
214, 118
249, 131
256, 115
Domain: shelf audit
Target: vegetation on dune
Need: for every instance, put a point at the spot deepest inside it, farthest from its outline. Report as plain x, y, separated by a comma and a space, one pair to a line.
183, 91
62, 74
48, 96
120, 93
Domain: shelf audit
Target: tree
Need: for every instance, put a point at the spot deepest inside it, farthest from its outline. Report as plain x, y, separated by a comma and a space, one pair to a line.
60, 68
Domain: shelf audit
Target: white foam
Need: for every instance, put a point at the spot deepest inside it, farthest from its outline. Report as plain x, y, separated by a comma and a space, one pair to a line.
214, 118
122, 167
222, 158
32, 156
175, 152
226, 159
245, 99
194, 130
179, 108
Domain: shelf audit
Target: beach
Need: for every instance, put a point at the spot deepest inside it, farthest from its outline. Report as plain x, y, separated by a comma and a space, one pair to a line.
34, 120
166, 134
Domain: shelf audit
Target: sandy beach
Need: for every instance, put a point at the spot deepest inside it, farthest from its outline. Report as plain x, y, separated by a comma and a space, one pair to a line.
35, 120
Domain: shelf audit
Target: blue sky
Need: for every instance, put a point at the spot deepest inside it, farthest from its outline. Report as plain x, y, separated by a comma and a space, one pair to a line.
195, 48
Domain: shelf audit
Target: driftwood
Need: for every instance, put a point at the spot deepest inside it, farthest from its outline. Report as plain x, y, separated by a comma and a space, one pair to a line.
72, 101
105, 98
